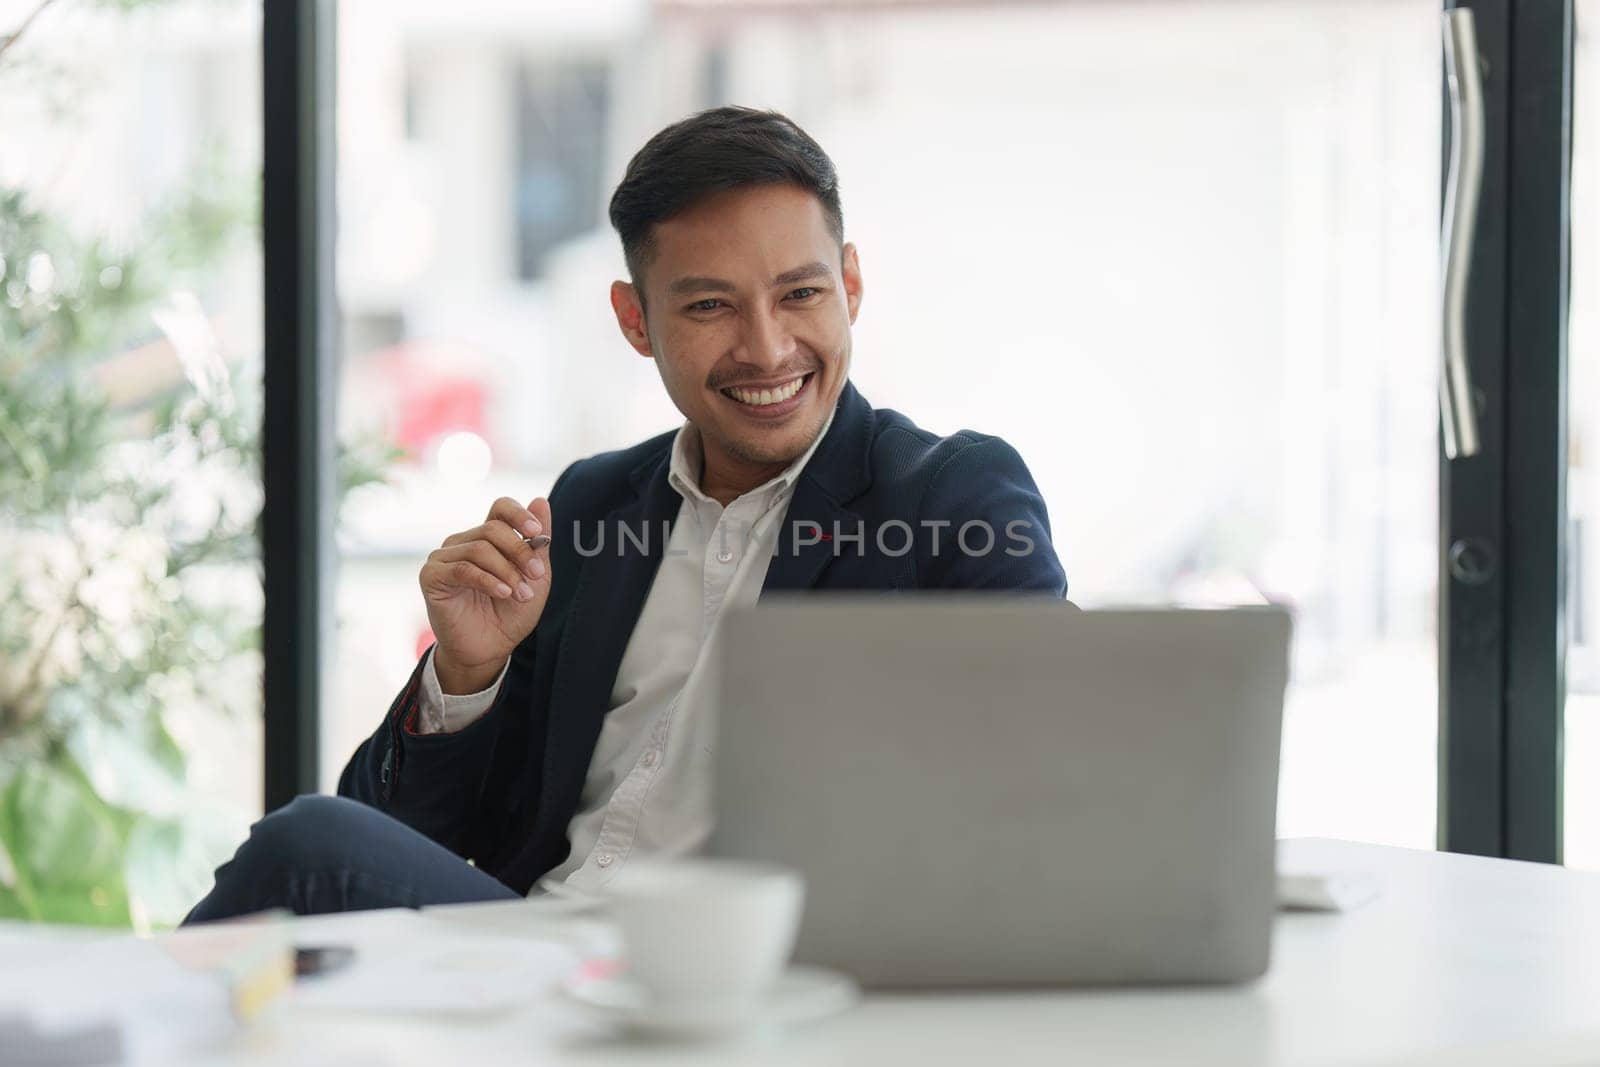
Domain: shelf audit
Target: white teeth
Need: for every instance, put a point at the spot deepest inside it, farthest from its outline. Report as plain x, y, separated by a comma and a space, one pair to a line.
763, 397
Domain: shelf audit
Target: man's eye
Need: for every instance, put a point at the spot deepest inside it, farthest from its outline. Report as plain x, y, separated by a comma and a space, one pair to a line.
804, 293
708, 304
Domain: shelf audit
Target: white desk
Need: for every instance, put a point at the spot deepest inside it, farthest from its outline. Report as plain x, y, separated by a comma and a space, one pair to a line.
1461, 961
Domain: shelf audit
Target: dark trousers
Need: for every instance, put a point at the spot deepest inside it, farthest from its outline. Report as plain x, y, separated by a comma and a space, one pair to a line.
321, 854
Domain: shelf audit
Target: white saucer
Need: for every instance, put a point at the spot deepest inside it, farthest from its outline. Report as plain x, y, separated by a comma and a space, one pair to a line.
801, 995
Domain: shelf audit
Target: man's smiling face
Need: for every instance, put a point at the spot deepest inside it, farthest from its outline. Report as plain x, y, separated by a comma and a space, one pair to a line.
748, 304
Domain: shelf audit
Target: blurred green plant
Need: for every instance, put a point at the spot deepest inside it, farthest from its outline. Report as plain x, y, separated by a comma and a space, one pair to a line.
129, 556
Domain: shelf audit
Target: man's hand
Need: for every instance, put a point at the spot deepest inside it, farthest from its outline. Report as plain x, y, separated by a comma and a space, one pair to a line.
485, 589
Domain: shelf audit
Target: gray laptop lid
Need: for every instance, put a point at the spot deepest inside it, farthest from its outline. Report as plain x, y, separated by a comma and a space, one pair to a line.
1004, 790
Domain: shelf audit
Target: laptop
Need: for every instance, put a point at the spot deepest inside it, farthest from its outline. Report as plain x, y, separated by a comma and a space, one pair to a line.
1002, 790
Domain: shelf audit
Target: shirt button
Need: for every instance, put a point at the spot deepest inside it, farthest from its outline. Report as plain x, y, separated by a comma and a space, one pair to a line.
724, 556
604, 859
648, 759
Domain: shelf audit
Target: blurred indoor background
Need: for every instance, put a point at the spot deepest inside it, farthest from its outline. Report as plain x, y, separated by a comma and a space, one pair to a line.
1184, 255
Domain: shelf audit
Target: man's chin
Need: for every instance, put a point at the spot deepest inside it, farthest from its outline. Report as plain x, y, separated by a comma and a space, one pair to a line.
767, 454
776, 448
781, 442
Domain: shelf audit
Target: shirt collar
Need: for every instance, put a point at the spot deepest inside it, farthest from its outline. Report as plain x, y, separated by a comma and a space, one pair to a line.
683, 473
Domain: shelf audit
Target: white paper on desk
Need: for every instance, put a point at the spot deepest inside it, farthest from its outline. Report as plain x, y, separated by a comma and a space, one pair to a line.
474, 976
124, 995
1326, 890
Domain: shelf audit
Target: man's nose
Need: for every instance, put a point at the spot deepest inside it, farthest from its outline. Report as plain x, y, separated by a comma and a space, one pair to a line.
767, 342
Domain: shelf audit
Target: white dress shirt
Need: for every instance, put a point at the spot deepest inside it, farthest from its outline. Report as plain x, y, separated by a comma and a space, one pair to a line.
648, 786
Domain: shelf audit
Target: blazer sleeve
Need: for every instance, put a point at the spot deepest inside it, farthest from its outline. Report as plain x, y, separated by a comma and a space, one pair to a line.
434, 783
987, 524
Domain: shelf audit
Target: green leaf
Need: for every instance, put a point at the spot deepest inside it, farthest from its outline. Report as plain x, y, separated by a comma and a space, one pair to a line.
128, 765
165, 750
59, 831
11, 906
100, 905
65, 847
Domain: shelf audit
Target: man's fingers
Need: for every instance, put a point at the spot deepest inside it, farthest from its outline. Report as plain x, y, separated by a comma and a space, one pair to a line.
539, 508
518, 533
464, 574
513, 544
519, 518
458, 563
506, 510
514, 547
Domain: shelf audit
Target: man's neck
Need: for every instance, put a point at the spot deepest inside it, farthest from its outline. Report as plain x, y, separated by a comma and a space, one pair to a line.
725, 479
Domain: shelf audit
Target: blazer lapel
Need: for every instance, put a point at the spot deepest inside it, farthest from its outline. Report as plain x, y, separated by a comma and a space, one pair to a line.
838, 472
806, 542
606, 604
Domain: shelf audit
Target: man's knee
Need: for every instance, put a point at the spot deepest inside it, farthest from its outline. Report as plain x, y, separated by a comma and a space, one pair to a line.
308, 833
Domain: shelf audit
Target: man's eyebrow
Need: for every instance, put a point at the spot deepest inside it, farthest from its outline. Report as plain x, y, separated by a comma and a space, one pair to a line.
696, 284
702, 284
812, 270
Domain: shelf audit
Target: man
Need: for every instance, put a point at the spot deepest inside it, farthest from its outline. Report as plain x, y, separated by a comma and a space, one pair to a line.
562, 722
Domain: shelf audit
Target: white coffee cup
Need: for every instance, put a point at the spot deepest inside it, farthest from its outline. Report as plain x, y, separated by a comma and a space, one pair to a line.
706, 933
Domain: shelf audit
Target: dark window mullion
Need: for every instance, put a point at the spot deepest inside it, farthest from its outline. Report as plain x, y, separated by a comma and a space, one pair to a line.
1503, 511
1537, 259
1472, 499
298, 461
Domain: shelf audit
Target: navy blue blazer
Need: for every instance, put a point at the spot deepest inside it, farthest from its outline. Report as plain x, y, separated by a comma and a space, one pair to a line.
502, 790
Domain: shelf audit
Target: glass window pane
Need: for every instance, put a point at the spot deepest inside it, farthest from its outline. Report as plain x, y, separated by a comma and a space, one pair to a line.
1182, 255
130, 397
1582, 819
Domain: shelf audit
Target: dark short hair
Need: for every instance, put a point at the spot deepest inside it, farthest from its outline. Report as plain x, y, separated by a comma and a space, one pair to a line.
716, 150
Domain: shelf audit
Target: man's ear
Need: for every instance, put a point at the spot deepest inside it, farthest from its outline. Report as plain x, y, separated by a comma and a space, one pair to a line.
850, 267
630, 317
